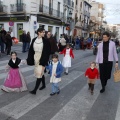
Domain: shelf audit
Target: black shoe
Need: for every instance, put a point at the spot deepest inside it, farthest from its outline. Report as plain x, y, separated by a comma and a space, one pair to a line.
102, 90
92, 92
52, 94
49, 72
33, 92
43, 87
58, 92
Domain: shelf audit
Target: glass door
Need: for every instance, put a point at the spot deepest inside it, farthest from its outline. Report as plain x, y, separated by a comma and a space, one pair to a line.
19, 31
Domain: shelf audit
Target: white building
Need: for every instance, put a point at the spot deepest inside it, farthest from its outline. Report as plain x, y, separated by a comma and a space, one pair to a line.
29, 15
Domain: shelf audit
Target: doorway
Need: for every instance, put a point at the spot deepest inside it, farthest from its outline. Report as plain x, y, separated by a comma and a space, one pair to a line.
19, 31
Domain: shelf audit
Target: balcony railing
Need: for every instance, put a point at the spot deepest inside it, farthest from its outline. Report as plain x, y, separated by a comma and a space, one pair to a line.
15, 8
3, 9
50, 11
69, 2
87, 13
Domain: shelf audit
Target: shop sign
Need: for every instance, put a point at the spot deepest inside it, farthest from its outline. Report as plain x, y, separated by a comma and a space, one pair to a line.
48, 20
14, 19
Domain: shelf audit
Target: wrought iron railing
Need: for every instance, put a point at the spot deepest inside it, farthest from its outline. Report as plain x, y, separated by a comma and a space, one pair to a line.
69, 2
47, 10
18, 7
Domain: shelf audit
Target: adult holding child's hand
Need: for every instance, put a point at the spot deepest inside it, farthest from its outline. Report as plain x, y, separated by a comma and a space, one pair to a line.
105, 57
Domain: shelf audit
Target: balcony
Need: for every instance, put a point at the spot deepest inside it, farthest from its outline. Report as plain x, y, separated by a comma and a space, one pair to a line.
69, 3
3, 9
18, 8
50, 11
87, 13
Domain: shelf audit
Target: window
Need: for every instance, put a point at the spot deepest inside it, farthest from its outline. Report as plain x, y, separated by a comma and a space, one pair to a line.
81, 5
80, 17
19, 2
1, 26
76, 2
58, 9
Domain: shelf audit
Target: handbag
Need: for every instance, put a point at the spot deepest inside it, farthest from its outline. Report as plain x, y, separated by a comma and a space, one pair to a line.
117, 75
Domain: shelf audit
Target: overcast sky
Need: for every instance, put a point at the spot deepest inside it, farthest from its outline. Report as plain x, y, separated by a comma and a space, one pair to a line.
112, 11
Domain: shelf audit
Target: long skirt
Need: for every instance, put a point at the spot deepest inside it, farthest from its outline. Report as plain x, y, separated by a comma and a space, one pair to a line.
14, 81
66, 61
105, 70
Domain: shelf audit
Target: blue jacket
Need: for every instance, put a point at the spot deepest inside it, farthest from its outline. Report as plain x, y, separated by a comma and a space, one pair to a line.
59, 69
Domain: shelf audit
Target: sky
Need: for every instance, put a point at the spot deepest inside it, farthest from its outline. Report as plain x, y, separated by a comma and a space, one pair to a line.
112, 11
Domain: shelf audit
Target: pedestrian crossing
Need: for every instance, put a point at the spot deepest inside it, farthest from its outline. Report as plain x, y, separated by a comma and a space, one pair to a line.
75, 106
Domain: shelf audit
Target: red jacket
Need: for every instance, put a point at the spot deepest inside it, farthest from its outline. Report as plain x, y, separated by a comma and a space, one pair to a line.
92, 74
71, 52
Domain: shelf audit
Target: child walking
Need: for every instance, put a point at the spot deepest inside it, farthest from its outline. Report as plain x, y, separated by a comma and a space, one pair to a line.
92, 74
15, 81
56, 70
68, 54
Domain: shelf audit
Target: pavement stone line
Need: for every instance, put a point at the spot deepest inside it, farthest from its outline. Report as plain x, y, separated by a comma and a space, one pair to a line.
79, 106
23, 105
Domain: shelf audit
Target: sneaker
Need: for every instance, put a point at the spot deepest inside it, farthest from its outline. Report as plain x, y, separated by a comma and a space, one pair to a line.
58, 92
52, 94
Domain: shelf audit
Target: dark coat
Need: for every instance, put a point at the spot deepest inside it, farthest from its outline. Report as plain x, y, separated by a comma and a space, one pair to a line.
45, 53
24, 37
28, 38
53, 45
8, 40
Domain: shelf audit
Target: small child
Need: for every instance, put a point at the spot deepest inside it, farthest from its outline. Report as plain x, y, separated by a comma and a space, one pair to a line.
56, 70
68, 54
15, 81
92, 74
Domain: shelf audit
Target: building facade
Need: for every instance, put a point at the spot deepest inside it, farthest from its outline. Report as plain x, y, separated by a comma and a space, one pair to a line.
28, 15
97, 16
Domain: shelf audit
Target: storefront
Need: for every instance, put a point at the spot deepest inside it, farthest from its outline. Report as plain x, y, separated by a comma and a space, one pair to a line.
18, 24
51, 24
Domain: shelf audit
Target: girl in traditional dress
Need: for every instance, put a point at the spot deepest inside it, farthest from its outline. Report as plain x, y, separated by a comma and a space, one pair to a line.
92, 74
68, 54
15, 81
56, 70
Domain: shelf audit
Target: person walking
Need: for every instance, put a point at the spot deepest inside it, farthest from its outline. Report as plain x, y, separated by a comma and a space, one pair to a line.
38, 55
77, 43
24, 40
56, 70
62, 43
8, 42
3, 41
14, 81
92, 74
105, 57
28, 41
68, 54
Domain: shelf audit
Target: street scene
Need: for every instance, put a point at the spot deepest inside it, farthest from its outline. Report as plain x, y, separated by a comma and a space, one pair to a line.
59, 60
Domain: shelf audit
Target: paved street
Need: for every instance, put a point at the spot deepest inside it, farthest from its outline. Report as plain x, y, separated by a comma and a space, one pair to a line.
73, 103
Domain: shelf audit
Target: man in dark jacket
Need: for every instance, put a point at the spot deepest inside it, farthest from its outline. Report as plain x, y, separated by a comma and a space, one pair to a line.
8, 42
24, 40
53, 43
3, 41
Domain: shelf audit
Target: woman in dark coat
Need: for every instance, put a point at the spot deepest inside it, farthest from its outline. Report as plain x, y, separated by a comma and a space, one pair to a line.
8, 43
38, 55
105, 57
